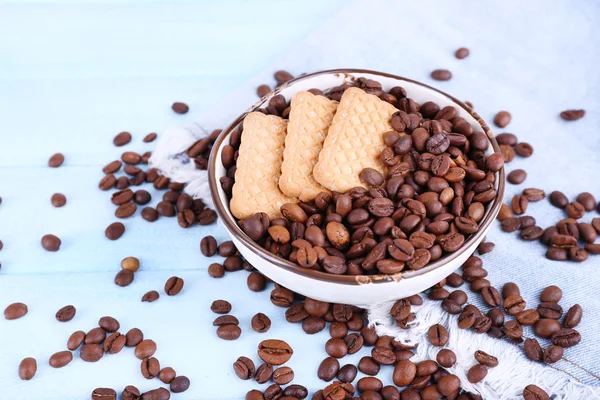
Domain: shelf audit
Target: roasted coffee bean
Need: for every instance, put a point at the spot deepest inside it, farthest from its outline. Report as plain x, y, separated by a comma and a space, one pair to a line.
563, 241
66, 314
524, 149
114, 343
91, 352
513, 329
150, 296
572, 115
369, 384
149, 214
527, 317
244, 368
130, 263
550, 310
527, 221
491, 296
347, 373
368, 366
173, 286
446, 358
566, 338
131, 393
104, 394
354, 341
552, 354
404, 373
60, 359
275, 352
401, 309
502, 119
179, 384
75, 340
496, 316
514, 304
180, 108
461, 53
56, 160
283, 375
220, 307
533, 350
134, 337
229, 332
441, 75
58, 200
575, 210
27, 368
122, 139
145, 349
517, 176
156, 394
51, 242
587, 233
150, 368
558, 199
426, 368
546, 327
551, 294
328, 369
109, 324
573, 317
124, 278
438, 335
226, 320
282, 297
114, 231
519, 204
263, 373
15, 311
532, 392
533, 194
371, 176
477, 373
482, 324
336, 348
486, 359
383, 355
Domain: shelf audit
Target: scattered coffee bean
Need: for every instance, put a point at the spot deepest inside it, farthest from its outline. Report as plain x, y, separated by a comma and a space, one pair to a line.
486, 359
65, 314
572, 115
208, 246
532, 392
441, 75
220, 307
263, 90
109, 324
75, 340
134, 337
173, 286
485, 247
56, 160
180, 384
552, 354
328, 369
274, 352
145, 349
149, 214
150, 137
15, 311
229, 332
461, 53
124, 278
446, 358
131, 393
476, 373
502, 119
438, 335
524, 149
114, 343
283, 375
180, 108
122, 139
60, 359
404, 373
58, 200
150, 296
573, 317
156, 394
104, 394
244, 368
27, 368
51, 242
114, 231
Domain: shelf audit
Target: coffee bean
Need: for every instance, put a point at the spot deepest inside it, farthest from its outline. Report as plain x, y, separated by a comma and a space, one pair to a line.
550, 310
572, 115
60, 359
173, 286
551, 294
220, 307
275, 352
328, 369
180, 108
15, 311
533, 350
27, 368
441, 75
122, 139
485, 247
133, 337
438, 335
104, 394
58, 200
109, 324
114, 343
563, 241
145, 349
446, 358
476, 373
404, 373
180, 384
524, 149
130, 393
229, 332
56, 160
486, 359
124, 278
91, 352
369, 384
149, 214
528, 317
156, 394
150, 296
573, 317
125, 210
552, 354
461, 53
502, 119
244, 368
208, 246
312, 325
519, 204
282, 297
114, 231
566, 338
383, 355
532, 392
546, 327
65, 314
283, 375
51, 242
75, 340
491, 296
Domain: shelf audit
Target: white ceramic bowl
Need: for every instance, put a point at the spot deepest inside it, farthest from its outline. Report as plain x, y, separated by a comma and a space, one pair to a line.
356, 290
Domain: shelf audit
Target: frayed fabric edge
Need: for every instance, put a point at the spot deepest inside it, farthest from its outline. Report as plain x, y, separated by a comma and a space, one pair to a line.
503, 382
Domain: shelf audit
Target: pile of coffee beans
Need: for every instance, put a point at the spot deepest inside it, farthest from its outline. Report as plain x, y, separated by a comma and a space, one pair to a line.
174, 203
439, 185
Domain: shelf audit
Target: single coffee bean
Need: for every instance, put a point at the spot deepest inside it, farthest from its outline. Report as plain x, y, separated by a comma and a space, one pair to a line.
347, 373
566, 338
58, 200
226, 320
524, 149
550, 310
461, 53
104, 394
65, 314
441, 75
244, 368
15, 311
150, 368
368, 366
27, 368
328, 369
404, 373
446, 358
56, 160
122, 139
485, 247
514, 304
263, 373
496, 316
220, 307
261, 323
551, 294
572, 115
491, 296
114, 231
124, 278
283, 375
552, 354
134, 337
519, 204
275, 352
575, 210
573, 317
150, 296
532, 392
51, 242
546, 327
173, 286
114, 343
208, 246
438, 335
131, 393
156, 394
180, 384
109, 324
75, 340
167, 374
180, 108
486, 359
145, 349
60, 359
476, 373
533, 350
91, 352
383, 355
557, 254
502, 119
527, 317
517, 176
369, 383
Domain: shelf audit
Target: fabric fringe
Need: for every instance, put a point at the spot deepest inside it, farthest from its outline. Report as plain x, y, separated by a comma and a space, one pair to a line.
505, 382
170, 159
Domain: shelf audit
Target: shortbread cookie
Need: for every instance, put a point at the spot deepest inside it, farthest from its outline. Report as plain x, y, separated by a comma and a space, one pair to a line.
310, 119
258, 170
354, 140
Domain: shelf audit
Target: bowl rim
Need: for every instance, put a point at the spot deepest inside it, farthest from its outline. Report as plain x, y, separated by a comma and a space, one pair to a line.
235, 230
